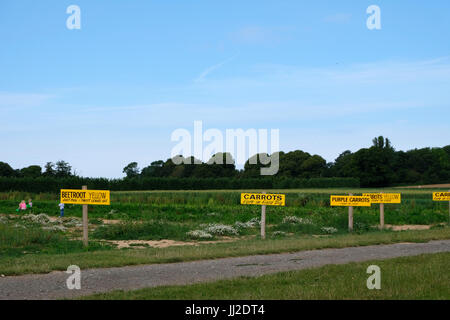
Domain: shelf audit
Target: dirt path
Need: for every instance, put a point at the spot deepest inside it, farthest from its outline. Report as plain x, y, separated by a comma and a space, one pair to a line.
53, 285
428, 186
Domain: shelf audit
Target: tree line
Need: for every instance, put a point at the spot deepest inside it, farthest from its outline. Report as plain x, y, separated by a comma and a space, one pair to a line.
60, 169
379, 165
54, 185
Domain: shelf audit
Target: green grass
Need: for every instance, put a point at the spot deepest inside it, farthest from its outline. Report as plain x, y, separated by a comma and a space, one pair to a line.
419, 277
149, 230
17, 241
43, 263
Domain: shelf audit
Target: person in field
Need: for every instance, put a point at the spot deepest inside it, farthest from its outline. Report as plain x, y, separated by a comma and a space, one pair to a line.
30, 205
22, 206
61, 209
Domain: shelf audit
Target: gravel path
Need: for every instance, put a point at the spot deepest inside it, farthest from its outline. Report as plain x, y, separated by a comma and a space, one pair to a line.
53, 285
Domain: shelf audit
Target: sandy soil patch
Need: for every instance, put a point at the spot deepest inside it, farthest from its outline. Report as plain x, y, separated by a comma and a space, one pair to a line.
428, 186
139, 244
107, 221
408, 227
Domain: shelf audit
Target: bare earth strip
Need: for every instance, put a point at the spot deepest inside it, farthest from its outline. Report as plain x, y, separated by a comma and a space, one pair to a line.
53, 285
429, 186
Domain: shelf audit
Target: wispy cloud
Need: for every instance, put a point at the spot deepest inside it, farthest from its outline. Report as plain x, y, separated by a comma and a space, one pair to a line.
338, 18
209, 70
253, 34
292, 93
378, 77
14, 100
258, 35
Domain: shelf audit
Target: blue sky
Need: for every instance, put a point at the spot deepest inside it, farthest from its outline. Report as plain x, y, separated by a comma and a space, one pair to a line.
114, 91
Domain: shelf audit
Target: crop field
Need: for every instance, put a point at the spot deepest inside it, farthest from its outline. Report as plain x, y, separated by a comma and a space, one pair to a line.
141, 220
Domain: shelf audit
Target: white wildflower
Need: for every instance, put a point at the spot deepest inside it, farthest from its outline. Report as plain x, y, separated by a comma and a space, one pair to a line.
329, 230
40, 218
55, 228
219, 229
199, 234
246, 225
297, 220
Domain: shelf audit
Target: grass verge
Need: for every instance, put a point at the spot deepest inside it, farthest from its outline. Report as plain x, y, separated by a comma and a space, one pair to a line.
418, 277
17, 241
44, 263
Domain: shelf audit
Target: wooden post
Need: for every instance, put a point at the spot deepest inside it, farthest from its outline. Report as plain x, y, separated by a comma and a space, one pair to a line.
263, 220
381, 215
85, 222
350, 217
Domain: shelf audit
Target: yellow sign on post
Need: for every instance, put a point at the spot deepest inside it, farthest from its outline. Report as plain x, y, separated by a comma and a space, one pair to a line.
263, 199
441, 196
349, 201
384, 197
96, 197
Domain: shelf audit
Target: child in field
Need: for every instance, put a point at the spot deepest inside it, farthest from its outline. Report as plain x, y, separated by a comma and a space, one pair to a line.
61, 209
30, 205
22, 206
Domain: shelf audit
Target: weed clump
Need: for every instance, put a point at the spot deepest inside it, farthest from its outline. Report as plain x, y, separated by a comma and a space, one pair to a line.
278, 234
297, 220
329, 230
199, 234
55, 228
73, 222
39, 219
219, 229
247, 225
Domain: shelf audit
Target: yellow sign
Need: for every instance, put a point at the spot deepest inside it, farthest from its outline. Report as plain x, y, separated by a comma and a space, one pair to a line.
384, 197
98, 197
263, 199
441, 196
350, 201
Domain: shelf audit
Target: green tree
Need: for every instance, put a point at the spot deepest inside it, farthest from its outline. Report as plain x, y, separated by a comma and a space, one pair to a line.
131, 170
6, 170
252, 167
63, 169
31, 171
300, 164
49, 169
220, 165
375, 166
313, 167
344, 165
153, 170
169, 166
